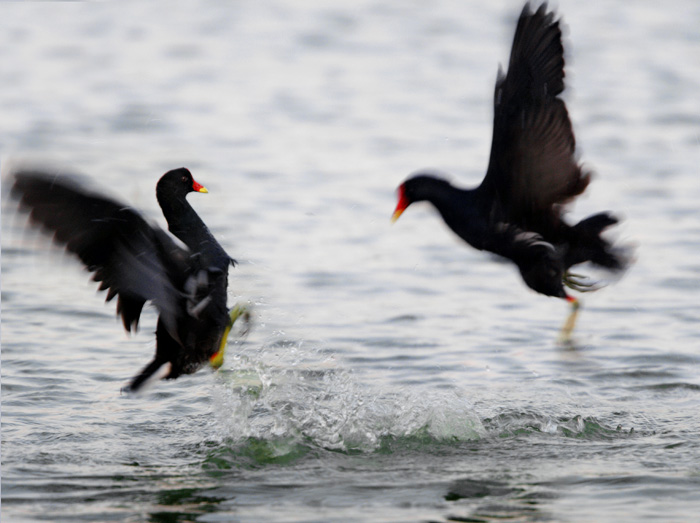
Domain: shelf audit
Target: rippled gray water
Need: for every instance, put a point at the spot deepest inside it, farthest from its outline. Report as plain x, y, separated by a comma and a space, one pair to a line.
392, 373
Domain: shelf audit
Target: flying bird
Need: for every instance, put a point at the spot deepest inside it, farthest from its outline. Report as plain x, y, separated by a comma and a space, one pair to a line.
518, 210
138, 262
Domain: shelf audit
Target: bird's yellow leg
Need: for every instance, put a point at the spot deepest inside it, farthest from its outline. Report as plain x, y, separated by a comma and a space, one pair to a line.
570, 323
217, 360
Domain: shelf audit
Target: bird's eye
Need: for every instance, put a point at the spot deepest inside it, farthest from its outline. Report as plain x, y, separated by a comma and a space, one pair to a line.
184, 178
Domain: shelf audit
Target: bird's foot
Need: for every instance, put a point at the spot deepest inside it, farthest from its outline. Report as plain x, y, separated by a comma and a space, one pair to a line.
570, 323
238, 311
579, 283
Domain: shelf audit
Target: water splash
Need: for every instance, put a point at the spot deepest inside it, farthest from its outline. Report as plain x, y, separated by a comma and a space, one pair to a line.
322, 406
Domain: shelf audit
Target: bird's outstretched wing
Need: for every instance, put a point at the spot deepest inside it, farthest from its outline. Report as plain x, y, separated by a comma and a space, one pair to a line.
133, 260
532, 169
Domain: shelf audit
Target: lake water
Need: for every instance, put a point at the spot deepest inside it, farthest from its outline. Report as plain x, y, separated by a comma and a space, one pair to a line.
392, 373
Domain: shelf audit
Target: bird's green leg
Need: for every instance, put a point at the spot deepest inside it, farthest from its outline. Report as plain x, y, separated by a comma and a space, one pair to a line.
570, 323
217, 360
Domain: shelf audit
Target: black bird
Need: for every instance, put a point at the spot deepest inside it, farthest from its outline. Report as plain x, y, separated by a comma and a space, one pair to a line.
517, 211
139, 262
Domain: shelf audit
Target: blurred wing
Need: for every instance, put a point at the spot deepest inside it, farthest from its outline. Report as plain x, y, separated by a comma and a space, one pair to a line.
532, 165
130, 258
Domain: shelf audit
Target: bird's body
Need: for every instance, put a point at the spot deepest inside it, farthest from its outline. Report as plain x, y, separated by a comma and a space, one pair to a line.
138, 262
517, 211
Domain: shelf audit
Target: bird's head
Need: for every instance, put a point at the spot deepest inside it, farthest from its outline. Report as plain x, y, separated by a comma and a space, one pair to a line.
417, 188
179, 182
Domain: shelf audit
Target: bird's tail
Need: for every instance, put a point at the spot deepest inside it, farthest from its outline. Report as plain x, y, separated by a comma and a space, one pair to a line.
588, 245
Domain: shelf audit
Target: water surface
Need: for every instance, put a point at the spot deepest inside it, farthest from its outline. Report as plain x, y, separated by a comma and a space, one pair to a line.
392, 374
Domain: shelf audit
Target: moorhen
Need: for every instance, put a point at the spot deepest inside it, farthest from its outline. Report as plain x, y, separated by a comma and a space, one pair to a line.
138, 262
517, 211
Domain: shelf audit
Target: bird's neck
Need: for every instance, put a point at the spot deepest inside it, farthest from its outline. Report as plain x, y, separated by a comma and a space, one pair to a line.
183, 221
448, 199
461, 209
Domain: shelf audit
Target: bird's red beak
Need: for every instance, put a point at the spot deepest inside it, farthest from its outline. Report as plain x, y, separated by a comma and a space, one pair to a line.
198, 187
401, 205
